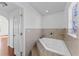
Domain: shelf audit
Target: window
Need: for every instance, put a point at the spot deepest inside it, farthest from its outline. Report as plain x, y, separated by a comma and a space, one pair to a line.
72, 24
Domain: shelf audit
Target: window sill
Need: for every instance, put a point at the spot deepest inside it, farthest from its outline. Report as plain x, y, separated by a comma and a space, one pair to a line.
72, 35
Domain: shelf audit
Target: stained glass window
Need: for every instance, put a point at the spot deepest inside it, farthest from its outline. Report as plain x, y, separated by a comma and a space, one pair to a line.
74, 19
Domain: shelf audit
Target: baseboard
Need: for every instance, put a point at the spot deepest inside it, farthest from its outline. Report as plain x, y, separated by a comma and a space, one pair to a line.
3, 36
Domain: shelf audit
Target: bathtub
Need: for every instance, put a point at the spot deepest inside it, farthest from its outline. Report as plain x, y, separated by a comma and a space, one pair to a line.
52, 47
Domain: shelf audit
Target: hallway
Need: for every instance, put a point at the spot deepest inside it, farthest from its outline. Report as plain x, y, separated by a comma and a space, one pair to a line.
3, 46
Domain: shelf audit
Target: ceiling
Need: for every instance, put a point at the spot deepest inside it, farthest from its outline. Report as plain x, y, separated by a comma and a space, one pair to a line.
9, 8
48, 7
42, 7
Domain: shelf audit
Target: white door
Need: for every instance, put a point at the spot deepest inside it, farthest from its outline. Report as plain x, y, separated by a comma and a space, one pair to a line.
21, 32
17, 31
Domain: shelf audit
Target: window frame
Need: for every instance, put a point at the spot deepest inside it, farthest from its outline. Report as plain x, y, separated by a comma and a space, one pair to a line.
70, 20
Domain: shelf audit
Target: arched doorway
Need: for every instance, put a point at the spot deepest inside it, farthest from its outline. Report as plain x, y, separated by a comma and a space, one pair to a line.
3, 36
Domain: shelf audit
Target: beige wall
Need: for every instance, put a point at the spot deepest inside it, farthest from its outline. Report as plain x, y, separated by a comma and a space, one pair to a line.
72, 44
31, 36
57, 33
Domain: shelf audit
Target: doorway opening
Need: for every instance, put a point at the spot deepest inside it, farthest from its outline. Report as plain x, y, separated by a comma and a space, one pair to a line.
3, 36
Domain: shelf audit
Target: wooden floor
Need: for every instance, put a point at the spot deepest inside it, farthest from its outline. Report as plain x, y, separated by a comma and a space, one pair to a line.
3, 46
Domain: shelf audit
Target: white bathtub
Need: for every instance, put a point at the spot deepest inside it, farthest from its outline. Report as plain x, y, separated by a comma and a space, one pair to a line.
52, 47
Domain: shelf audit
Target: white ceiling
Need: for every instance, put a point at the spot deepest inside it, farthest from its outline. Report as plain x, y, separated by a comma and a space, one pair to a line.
9, 8
41, 7
52, 7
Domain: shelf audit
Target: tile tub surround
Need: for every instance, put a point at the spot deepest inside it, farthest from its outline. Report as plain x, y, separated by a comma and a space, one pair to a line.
31, 36
56, 33
72, 43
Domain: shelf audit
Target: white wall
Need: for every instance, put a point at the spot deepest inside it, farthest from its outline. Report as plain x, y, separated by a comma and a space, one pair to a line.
4, 16
54, 21
11, 18
32, 21
32, 18
10, 41
3, 25
3, 13
66, 13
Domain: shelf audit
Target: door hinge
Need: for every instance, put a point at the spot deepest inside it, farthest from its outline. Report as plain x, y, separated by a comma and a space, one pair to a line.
21, 34
21, 53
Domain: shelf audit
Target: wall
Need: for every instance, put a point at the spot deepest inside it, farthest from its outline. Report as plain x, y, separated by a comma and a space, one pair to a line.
10, 41
54, 21
31, 37
32, 19
3, 25
3, 13
11, 25
71, 42
56, 33
32, 25
55, 24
